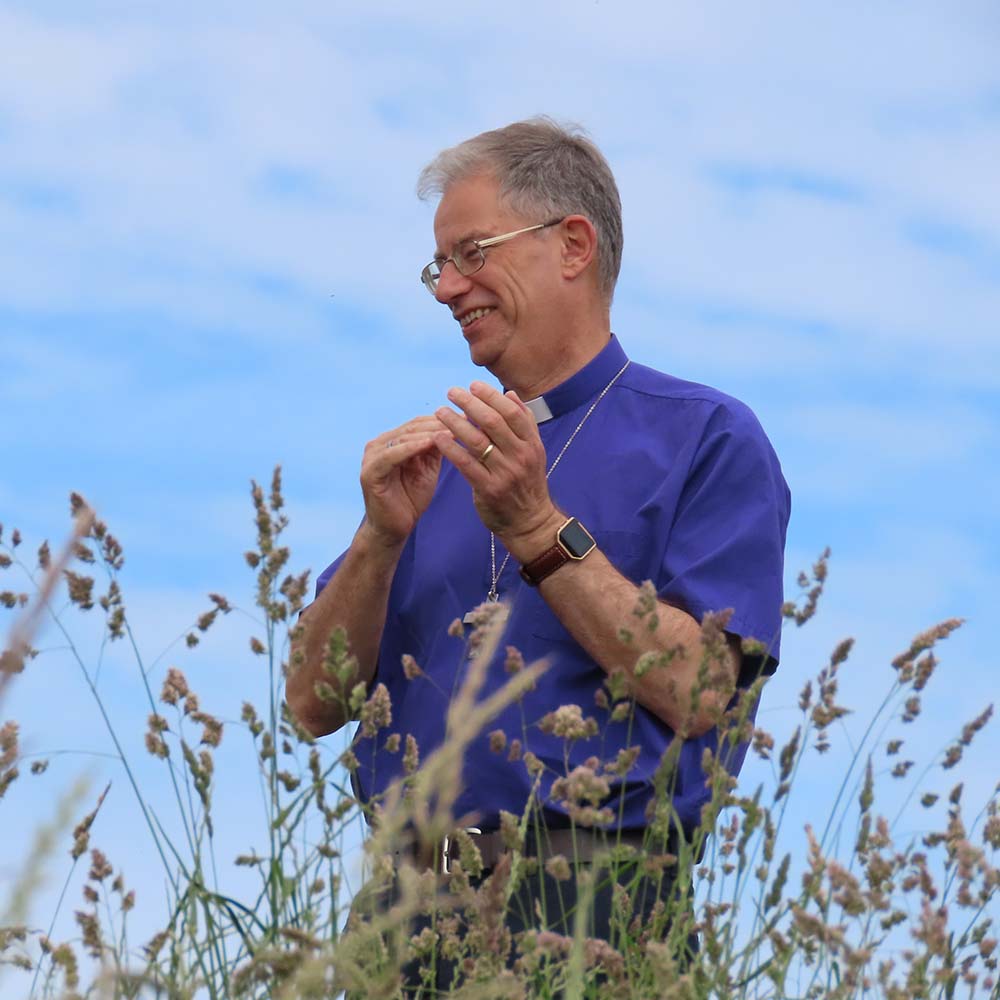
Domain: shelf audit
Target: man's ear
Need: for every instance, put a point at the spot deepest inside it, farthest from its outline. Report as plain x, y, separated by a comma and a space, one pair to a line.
579, 245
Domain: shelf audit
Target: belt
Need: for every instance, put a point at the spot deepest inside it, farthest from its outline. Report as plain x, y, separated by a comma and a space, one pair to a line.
580, 845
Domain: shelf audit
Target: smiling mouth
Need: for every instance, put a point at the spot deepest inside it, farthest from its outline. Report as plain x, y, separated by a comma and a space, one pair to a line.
473, 315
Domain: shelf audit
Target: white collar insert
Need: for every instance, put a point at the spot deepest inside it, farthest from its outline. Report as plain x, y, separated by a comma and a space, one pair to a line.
539, 409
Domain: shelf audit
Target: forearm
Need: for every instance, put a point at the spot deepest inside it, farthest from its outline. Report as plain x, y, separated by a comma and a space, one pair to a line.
595, 602
355, 599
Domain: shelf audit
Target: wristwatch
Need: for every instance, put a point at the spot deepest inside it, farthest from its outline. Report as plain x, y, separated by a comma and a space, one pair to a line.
573, 542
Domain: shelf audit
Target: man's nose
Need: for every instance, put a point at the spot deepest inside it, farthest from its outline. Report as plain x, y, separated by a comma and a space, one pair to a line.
451, 283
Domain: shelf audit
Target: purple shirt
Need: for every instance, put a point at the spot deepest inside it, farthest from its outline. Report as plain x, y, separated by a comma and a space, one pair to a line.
678, 484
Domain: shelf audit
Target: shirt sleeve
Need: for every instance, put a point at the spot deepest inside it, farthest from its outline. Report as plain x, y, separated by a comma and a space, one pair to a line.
327, 575
324, 578
726, 545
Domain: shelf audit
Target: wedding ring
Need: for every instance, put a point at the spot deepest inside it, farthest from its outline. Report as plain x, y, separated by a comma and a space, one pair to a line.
487, 452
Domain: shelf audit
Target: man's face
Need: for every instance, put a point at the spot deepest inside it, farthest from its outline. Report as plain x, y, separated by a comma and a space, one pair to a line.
501, 308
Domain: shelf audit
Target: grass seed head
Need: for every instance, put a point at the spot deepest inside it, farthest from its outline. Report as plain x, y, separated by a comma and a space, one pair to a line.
567, 722
376, 713
175, 687
411, 669
411, 755
81, 589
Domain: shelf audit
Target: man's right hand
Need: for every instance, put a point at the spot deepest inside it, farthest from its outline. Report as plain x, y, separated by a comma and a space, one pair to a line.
399, 473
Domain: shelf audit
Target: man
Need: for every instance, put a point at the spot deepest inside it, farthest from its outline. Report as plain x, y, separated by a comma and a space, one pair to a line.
558, 495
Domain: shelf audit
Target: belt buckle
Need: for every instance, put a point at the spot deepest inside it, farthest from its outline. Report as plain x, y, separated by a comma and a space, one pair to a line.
446, 845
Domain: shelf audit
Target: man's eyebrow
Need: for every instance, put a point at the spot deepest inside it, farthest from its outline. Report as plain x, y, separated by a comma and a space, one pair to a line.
474, 234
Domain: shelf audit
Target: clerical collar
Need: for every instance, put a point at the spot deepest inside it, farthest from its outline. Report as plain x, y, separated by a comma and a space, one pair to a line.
582, 386
539, 409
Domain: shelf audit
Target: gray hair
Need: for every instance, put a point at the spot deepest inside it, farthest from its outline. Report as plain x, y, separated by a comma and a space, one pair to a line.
543, 168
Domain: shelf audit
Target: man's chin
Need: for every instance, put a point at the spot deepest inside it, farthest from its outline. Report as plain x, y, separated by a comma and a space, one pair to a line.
483, 355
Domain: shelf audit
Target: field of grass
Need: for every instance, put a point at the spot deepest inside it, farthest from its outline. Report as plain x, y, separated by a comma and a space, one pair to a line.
851, 907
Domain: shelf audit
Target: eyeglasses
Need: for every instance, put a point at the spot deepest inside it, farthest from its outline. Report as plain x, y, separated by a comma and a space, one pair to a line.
469, 256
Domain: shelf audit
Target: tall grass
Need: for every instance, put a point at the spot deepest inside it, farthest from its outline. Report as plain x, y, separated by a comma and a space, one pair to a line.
848, 907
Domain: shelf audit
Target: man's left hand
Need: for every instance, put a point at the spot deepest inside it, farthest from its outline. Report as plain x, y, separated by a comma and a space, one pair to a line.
509, 486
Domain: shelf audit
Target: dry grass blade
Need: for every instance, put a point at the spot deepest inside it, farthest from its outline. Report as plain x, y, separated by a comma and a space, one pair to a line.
18, 644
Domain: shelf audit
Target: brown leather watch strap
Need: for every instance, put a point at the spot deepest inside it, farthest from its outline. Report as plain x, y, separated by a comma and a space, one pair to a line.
548, 562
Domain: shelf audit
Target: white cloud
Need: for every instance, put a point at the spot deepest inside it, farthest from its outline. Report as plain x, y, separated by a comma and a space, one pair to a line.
171, 141
877, 453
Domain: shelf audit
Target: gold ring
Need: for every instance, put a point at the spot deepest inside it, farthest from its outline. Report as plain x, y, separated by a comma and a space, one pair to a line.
487, 452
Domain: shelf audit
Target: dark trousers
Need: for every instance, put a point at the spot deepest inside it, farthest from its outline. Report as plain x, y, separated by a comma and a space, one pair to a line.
541, 902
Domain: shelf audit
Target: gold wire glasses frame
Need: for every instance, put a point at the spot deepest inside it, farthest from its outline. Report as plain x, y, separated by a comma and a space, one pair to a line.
469, 256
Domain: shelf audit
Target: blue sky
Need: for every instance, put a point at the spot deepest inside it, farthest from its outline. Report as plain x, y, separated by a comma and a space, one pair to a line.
210, 248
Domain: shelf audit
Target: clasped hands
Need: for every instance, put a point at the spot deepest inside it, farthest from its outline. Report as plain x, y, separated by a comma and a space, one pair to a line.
509, 489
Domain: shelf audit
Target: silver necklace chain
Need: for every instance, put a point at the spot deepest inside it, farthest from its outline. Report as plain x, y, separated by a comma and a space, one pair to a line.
493, 595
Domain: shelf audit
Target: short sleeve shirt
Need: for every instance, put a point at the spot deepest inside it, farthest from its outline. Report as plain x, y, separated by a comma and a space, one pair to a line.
679, 485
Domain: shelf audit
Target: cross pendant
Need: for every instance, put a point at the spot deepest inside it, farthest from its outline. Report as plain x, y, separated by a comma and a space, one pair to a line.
470, 616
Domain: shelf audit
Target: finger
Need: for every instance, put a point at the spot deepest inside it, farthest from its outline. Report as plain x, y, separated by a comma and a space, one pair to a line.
391, 438
383, 459
521, 405
418, 425
475, 472
398, 438
425, 422
467, 433
487, 418
516, 415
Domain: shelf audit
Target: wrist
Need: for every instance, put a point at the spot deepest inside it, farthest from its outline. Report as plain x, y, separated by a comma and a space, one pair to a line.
572, 543
377, 545
530, 543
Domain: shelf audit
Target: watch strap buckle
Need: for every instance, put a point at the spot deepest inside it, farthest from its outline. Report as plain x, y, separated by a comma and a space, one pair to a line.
446, 843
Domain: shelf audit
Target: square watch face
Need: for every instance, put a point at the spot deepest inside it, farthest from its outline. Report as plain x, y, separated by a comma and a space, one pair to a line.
576, 539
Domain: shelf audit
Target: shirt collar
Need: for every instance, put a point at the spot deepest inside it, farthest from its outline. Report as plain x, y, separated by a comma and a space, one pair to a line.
582, 386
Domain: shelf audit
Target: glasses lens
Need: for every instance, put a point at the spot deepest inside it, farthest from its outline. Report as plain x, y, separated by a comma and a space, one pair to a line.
468, 257
430, 274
